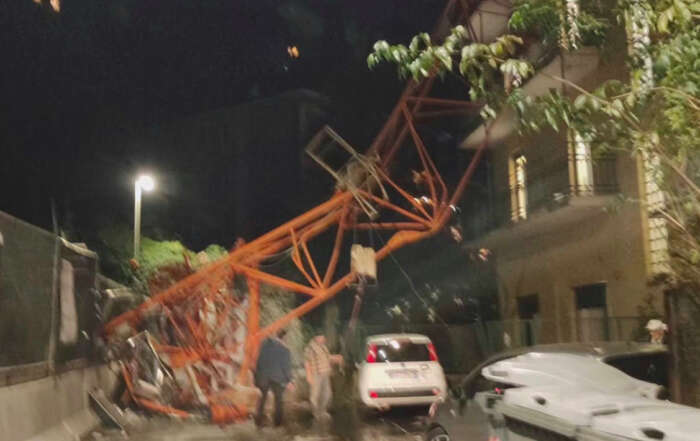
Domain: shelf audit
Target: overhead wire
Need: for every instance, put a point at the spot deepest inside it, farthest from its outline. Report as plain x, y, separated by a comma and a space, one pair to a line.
410, 282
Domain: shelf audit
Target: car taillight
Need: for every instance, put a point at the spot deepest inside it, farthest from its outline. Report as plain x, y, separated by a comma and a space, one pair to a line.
431, 351
371, 353
373, 394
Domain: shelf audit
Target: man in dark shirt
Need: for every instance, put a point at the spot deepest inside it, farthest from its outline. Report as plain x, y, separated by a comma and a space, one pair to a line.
273, 371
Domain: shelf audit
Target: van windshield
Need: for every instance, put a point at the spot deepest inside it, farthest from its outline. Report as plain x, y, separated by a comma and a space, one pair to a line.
402, 351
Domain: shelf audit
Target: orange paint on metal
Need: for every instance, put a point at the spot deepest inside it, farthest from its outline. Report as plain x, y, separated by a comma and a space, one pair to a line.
389, 226
333, 263
275, 280
445, 102
427, 161
395, 208
251, 343
406, 195
296, 258
304, 247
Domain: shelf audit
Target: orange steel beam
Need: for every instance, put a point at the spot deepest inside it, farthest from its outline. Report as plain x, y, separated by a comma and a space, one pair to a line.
445, 102
251, 343
271, 279
393, 207
422, 155
440, 113
296, 258
389, 226
333, 263
305, 248
405, 194
421, 147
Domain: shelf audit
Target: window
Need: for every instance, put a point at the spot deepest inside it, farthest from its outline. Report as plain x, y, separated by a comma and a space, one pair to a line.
646, 367
591, 312
519, 187
583, 163
529, 311
402, 351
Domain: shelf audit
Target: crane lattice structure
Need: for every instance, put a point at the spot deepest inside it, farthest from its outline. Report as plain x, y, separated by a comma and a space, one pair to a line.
359, 203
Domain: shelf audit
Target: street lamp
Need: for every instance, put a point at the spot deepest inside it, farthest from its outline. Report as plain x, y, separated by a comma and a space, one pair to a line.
143, 183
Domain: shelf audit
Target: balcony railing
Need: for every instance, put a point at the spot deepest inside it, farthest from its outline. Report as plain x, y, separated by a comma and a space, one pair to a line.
553, 183
549, 184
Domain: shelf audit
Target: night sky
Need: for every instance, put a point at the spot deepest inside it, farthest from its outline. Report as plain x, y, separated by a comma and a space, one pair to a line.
100, 70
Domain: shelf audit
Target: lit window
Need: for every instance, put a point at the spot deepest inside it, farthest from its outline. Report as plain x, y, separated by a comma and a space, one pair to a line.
584, 165
519, 187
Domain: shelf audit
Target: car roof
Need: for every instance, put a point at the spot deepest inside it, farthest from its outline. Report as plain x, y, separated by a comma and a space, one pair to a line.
542, 368
601, 350
415, 338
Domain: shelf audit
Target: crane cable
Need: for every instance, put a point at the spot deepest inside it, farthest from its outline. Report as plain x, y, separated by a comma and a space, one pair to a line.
410, 282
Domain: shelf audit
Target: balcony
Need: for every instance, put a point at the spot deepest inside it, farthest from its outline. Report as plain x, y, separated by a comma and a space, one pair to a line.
545, 195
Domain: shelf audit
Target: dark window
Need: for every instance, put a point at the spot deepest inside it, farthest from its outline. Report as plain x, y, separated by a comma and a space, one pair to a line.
591, 312
647, 367
403, 351
528, 307
529, 310
591, 296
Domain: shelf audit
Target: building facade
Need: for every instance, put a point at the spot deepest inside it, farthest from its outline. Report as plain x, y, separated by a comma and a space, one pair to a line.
569, 233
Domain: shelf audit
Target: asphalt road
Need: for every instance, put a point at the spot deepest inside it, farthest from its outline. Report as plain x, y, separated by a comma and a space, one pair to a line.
397, 425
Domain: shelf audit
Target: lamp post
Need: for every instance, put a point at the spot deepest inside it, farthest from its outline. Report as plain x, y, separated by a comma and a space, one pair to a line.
143, 183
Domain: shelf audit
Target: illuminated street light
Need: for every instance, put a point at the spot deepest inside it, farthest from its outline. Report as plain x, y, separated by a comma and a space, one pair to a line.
143, 183
146, 182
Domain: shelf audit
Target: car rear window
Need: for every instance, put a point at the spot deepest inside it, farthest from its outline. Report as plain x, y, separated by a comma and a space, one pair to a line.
647, 367
402, 351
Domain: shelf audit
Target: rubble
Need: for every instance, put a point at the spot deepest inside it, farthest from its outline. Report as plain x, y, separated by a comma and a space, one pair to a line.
184, 360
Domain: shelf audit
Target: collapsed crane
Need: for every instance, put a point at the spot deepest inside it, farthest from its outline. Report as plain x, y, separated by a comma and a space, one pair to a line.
198, 310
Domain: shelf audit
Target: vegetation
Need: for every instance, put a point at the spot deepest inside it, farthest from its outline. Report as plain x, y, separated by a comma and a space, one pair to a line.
162, 262
654, 113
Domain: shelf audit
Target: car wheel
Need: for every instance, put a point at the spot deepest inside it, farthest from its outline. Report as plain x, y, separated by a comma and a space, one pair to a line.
437, 434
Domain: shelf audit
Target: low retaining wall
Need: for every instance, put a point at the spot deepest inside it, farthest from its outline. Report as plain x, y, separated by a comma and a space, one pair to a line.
54, 408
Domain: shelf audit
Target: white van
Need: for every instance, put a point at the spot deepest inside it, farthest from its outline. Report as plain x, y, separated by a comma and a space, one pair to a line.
400, 370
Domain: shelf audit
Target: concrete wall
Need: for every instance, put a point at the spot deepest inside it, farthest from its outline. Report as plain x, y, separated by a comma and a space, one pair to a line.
52, 408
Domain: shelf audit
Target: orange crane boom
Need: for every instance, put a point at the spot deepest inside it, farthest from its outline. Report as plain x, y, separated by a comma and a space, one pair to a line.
341, 211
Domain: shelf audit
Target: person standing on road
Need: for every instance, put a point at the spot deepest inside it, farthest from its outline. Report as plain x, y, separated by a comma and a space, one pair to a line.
273, 372
318, 362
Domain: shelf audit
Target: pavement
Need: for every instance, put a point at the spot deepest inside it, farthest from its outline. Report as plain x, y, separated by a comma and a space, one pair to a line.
400, 425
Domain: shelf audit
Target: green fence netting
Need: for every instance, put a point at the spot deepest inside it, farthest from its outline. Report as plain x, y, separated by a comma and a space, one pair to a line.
29, 271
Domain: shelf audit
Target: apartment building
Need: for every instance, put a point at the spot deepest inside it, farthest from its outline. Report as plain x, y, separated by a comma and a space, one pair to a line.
573, 250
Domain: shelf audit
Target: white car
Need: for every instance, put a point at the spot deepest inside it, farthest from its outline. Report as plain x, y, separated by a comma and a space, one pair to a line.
542, 369
400, 370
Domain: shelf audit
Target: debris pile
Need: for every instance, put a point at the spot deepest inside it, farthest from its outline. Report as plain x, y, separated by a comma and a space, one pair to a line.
184, 359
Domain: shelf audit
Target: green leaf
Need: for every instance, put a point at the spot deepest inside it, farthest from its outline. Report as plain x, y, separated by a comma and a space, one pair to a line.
550, 119
581, 101
617, 105
682, 10
381, 46
497, 49
662, 22
444, 57
371, 61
